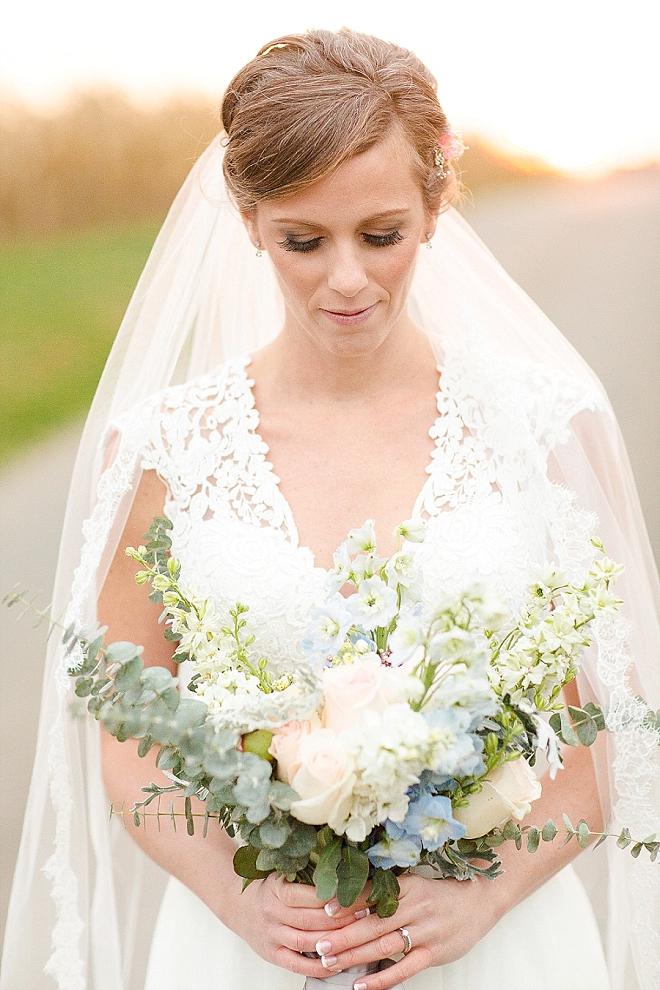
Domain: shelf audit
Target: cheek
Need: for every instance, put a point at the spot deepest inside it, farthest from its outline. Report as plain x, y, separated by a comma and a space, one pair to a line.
297, 281
396, 271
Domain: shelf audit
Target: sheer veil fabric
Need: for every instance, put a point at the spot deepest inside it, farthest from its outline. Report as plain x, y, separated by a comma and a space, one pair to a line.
74, 920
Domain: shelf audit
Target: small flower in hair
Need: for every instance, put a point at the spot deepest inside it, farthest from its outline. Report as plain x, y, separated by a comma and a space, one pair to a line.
450, 146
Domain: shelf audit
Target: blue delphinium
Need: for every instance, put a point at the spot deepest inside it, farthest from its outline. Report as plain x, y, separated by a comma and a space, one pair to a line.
462, 754
326, 632
396, 848
428, 824
430, 818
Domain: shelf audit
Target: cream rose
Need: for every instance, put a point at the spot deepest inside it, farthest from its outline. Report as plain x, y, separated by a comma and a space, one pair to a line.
507, 793
285, 747
354, 688
324, 781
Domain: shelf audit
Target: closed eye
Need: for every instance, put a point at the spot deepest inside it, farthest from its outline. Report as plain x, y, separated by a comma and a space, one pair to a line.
293, 244
383, 240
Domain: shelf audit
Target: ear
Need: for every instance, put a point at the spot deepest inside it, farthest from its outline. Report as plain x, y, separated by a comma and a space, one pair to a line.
249, 218
429, 228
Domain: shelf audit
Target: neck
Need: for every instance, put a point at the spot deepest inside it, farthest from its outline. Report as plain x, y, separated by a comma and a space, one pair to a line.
294, 367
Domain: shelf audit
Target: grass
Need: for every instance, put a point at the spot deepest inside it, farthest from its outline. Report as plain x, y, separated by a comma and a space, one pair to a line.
61, 302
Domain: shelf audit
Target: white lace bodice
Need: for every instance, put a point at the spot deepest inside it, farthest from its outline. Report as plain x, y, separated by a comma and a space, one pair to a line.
489, 505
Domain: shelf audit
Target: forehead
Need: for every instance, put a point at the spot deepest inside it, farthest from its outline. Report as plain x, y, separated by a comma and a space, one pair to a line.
380, 180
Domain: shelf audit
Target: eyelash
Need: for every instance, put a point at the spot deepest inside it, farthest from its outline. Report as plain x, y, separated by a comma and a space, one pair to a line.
373, 240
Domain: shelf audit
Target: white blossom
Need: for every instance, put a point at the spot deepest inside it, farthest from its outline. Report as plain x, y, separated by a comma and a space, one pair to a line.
373, 605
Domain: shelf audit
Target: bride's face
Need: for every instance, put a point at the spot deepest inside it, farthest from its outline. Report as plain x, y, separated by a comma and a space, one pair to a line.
344, 249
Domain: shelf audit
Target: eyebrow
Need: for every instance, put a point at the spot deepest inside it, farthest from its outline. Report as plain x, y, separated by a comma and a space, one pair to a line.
385, 215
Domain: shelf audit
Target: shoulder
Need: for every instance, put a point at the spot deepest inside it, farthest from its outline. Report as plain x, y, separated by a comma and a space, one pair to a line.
520, 401
178, 431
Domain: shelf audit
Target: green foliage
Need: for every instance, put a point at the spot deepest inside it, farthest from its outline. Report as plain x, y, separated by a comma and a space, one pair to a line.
581, 833
62, 302
385, 892
325, 873
582, 727
352, 874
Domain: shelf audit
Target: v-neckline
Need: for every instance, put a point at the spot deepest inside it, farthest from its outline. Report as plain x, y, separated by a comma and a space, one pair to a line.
254, 422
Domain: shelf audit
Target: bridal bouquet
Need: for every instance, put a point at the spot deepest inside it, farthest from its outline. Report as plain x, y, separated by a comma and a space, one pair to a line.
404, 734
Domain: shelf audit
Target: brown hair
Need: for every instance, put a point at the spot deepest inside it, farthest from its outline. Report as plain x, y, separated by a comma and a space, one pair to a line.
309, 102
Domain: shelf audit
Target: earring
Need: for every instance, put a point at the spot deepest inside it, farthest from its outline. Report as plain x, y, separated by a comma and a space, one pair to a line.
428, 240
258, 247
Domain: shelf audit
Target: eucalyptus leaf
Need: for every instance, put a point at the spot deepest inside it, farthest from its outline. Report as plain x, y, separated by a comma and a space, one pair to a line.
274, 834
245, 863
121, 652
301, 840
549, 831
129, 674
583, 833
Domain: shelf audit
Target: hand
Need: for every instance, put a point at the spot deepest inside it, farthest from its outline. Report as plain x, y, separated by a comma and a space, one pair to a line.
289, 921
444, 919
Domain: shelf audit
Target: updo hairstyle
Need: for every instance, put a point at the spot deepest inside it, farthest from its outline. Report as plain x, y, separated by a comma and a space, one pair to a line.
309, 102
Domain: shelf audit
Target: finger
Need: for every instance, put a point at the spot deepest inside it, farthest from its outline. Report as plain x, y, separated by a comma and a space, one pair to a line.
306, 919
389, 944
409, 966
296, 894
296, 963
359, 933
360, 907
296, 939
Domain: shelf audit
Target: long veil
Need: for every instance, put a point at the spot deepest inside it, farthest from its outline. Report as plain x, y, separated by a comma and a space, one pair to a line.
84, 897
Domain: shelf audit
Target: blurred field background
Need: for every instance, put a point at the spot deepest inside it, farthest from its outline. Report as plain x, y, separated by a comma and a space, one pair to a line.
83, 190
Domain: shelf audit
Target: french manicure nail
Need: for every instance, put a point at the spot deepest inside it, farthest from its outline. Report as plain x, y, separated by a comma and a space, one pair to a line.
359, 986
323, 948
362, 914
332, 908
329, 961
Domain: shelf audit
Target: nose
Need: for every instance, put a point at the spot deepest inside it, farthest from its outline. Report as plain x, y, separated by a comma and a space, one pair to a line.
347, 273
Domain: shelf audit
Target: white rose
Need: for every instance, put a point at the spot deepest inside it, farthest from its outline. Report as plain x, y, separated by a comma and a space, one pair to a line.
352, 689
324, 781
507, 793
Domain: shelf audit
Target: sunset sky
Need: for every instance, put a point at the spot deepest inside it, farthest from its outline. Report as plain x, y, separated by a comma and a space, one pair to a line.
577, 81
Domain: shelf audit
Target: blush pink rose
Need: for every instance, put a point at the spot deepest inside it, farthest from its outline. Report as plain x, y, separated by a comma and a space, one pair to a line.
324, 781
285, 748
354, 688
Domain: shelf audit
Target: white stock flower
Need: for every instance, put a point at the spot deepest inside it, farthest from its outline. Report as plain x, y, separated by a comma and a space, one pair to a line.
412, 530
329, 625
362, 540
373, 605
401, 572
341, 572
364, 566
390, 751
406, 639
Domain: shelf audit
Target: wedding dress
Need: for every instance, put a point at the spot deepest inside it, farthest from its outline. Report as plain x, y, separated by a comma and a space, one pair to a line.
236, 538
527, 463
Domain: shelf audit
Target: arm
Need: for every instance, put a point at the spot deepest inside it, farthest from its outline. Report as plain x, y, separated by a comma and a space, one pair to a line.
291, 919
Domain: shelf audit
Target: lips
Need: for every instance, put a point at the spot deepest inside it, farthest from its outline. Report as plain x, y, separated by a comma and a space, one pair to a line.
344, 317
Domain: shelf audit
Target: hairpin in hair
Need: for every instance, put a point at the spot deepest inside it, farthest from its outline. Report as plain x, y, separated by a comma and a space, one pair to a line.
449, 146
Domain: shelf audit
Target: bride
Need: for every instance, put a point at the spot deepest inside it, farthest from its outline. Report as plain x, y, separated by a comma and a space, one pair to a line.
294, 361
